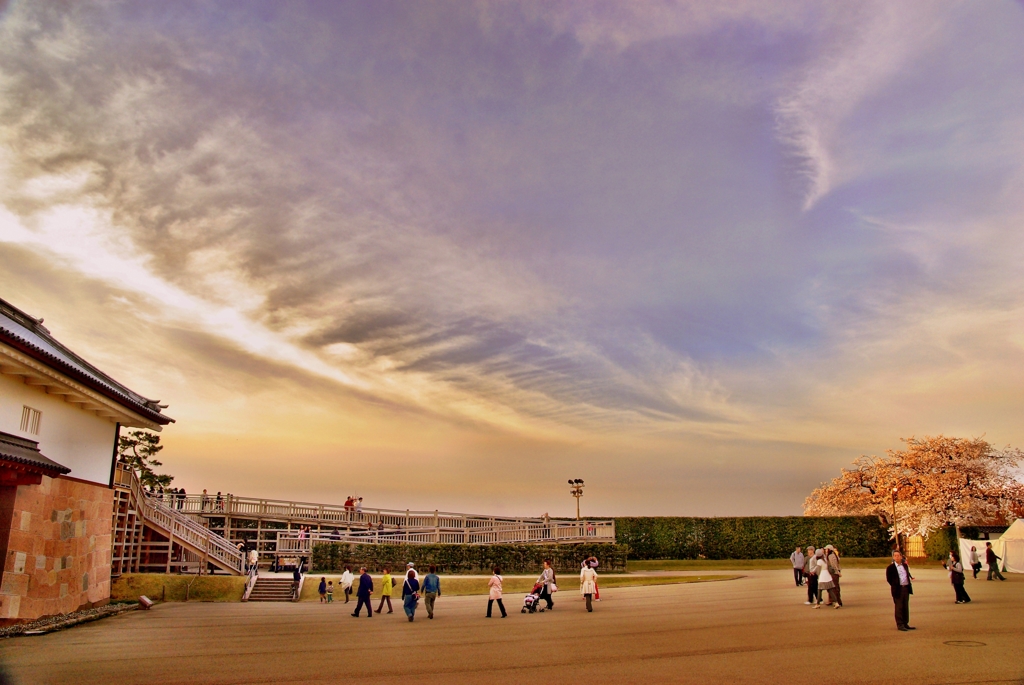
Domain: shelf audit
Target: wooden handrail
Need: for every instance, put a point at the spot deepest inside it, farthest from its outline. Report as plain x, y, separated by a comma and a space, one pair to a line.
178, 525
236, 505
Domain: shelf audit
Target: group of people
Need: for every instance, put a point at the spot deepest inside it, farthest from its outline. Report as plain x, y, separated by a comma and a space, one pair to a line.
820, 570
990, 559
412, 590
354, 504
173, 497
429, 589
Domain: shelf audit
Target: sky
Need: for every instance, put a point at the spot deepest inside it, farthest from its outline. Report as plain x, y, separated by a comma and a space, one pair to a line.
449, 255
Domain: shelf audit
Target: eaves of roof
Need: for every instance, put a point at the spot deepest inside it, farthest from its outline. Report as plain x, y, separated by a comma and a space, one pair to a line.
22, 451
28, 336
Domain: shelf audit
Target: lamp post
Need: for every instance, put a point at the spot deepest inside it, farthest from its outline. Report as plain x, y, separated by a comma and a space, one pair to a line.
895, 524
576, 490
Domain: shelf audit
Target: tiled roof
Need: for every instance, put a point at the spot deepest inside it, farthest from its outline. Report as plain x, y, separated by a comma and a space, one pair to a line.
22, 451
29, 336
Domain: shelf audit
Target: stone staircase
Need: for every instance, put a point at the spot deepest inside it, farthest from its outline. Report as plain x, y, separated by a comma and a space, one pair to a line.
271, 590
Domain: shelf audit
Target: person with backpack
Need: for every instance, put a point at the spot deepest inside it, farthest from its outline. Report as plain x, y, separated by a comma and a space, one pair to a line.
386, 586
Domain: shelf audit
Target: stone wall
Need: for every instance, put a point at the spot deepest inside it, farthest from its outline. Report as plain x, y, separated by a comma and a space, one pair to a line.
58, 555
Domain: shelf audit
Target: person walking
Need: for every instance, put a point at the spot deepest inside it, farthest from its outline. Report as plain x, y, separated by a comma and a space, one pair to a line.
431, 590
811, 569
897, 574
363, 593
323, 590
835, 569
330, 591
975, 561
797, 559
410, 594
494, 595
386, 586
993, 562
957, 577
346, 583
592, 563
588, 585
547, 579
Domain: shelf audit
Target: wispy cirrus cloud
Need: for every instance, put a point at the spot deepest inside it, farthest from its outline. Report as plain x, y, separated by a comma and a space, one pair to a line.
654, 222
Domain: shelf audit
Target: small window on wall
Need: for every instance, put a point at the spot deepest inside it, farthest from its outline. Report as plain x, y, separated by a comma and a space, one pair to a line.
30, 420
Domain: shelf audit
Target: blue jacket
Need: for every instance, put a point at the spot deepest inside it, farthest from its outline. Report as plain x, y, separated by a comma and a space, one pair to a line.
365, 586
431, 583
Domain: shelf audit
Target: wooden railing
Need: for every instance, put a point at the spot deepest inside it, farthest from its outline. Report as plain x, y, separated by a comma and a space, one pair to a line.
179, 527
333, 514
290, 544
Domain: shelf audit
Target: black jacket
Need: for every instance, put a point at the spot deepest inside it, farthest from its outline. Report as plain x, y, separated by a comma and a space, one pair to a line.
892, 576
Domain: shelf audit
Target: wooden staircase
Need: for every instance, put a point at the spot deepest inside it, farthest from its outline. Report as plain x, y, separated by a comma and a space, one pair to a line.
150, 529
272, 590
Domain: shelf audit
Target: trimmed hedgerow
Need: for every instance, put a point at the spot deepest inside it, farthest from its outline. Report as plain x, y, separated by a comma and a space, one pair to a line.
940, 542
334, 556
754, 537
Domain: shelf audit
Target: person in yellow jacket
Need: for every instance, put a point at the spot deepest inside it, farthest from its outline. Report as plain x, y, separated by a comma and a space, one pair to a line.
386, 586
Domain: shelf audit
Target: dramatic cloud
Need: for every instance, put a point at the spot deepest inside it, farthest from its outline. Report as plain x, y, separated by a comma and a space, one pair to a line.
733, 245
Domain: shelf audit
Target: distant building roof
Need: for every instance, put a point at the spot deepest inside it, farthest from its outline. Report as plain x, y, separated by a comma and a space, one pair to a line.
30, 337
22, 451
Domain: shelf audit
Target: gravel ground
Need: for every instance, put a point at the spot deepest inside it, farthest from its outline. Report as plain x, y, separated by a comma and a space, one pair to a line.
49, 624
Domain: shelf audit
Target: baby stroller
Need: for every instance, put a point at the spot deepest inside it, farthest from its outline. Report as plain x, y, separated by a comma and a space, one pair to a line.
531, 600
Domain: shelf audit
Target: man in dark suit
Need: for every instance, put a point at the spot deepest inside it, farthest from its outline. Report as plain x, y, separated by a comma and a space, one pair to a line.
898, 576
364, 592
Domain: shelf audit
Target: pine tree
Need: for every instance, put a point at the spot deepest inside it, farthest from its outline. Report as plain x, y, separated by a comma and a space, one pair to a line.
138, 449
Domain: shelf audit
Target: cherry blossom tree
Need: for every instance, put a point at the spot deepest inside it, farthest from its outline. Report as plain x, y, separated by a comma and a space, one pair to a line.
938, 481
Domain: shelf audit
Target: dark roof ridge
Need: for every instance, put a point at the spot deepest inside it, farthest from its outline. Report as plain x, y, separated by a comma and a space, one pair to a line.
84, 372
24, 451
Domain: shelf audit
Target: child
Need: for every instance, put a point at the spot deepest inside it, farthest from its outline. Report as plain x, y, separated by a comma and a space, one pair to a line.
330, 591
323, 590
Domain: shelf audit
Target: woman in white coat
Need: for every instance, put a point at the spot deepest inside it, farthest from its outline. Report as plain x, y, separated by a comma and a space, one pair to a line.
588, 585
825, 581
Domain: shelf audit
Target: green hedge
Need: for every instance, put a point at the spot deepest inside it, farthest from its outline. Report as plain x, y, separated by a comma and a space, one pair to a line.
755, 537
334, 556
940, 542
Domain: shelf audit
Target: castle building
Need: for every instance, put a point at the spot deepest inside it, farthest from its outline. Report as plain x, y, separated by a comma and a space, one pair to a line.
60, 419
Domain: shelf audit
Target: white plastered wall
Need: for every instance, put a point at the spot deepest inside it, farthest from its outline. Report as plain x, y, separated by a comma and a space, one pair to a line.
68, 434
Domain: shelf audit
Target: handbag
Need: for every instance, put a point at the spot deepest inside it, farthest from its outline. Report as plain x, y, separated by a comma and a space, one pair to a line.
554, 588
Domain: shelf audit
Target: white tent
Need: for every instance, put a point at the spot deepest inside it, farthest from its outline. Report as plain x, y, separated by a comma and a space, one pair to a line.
1009, 547
1013, 547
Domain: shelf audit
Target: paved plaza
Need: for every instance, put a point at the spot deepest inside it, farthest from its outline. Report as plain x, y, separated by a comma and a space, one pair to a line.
752, 630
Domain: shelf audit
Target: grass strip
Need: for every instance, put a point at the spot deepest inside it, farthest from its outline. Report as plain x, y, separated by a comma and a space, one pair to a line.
172, 587
454, 586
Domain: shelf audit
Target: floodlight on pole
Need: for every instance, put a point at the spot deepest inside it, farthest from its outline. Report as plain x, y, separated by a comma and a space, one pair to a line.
576, 490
